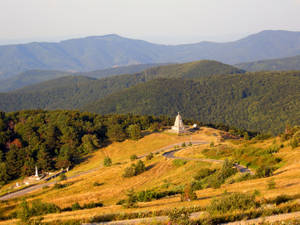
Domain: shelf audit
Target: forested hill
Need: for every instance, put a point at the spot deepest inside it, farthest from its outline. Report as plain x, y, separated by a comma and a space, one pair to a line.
37, 76
75, 91
92, 53
262, 101
284, 64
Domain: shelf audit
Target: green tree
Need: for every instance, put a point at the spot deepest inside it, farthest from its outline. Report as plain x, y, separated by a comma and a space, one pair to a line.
44, 160
115, 132
107, 162
24, 213
4, 177
90, 143
134, 131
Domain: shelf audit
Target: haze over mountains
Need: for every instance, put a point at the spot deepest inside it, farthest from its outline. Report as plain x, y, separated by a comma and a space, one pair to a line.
93, 53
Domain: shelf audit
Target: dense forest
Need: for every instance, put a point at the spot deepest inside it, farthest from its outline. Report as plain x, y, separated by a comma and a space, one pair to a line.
261, 101
73, 92
60, 139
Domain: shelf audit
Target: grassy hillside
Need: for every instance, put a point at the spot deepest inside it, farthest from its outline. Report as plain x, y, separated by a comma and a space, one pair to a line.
265, 101
92, 53
75, 91
284, 64
107, 185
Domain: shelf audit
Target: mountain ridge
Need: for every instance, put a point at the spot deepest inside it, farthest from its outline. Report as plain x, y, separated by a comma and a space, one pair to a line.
99, 52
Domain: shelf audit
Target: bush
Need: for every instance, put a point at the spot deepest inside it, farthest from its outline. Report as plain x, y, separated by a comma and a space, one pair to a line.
196, 185
231, 202
271, 184
281, 199
133, 157
62, 177
134, 169
294, 143
76, 206
149, 156
134, 131
131, 201
59, 186
188, 194
107, 162
264, 171
183, 145
179, 217
202, 173
179, 162
96, 184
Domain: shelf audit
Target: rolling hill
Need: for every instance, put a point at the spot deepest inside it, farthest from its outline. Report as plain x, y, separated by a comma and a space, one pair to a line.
265, 101
37, 76
73, 92
283, 64
93, 53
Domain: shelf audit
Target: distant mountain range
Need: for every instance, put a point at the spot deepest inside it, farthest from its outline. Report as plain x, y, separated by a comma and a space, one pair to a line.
93, 53
283, 64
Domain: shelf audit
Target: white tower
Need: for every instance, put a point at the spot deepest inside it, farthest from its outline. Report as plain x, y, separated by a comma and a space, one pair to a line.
178, 125
36, 172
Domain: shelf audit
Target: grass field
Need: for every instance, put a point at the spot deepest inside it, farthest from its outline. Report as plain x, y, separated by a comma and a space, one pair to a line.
161, 174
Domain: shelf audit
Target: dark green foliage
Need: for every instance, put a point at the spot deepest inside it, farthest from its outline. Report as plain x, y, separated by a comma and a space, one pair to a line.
179, 162
56, 139
134, 132
249, 101
294, 143
202, 173
116, 133
183, 145
134, 169
232, 201
39, 208
59, 186
107, 161
196, 185
133, 157
24, 212
76, 206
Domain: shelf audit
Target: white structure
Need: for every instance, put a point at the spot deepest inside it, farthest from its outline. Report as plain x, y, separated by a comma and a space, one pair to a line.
178, 125
37, 177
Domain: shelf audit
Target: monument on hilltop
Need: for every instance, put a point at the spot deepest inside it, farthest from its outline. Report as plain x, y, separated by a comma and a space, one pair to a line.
178, 125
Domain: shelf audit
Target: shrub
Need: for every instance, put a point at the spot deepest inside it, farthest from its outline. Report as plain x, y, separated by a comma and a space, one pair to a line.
96, 184
59, 186
179, 162
62, 177
271, 184
190, 144
273, 149
281, 199
202, 173
183, 145
131, 201
294, 143
134, 131
212, 144
149, 156
92, 205
264, 171
39, 208
76, 206
134, 169
196, 185
231, 202
179, 217
188, 194
107, 162
133, 157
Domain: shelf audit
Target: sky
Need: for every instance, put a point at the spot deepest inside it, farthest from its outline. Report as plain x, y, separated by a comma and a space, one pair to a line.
158, 21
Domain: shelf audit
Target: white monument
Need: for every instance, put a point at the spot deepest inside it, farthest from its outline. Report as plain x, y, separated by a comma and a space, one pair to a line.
37, 177
178, 125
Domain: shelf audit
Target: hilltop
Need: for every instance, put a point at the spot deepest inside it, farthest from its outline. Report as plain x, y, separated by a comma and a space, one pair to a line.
261, 101
283, 64
73, 92
101, 52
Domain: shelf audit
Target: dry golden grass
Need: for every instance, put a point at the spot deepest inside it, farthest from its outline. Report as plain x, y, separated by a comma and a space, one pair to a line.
162, 171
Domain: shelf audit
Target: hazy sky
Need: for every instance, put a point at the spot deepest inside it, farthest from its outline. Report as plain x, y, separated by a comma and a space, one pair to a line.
160, 21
